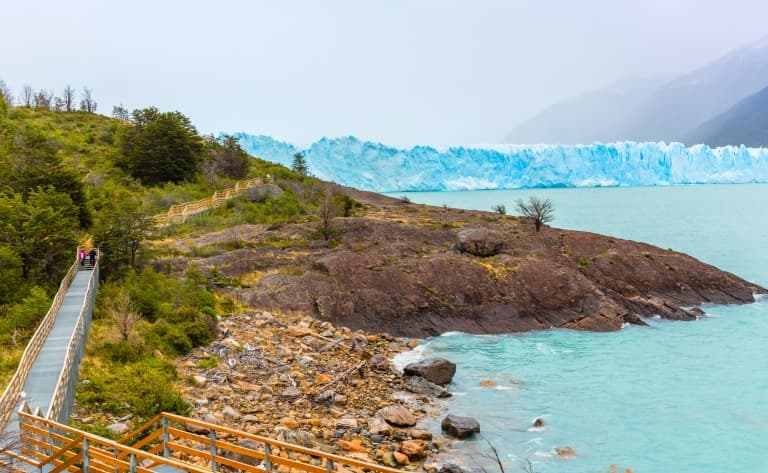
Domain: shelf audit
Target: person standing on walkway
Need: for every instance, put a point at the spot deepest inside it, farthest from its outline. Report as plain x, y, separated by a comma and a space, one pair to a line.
82, 257
92, 256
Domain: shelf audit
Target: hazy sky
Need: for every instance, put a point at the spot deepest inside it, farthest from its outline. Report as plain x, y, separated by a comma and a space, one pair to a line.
397, 71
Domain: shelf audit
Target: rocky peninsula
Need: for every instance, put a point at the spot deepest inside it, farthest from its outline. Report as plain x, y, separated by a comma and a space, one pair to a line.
414, 270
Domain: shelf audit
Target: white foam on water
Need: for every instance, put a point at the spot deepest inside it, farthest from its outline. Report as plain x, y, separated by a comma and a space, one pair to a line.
402, 359
451, 334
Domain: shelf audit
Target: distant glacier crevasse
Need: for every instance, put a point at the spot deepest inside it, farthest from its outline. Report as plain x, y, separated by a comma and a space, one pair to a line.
377, 167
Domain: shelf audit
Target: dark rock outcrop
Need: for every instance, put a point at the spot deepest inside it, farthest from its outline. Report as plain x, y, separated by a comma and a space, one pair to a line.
435, 370
460, 427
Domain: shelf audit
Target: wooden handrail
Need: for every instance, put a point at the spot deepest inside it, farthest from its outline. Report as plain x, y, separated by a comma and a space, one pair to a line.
178, 213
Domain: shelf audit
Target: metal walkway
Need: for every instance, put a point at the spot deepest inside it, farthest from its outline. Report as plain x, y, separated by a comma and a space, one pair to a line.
45, 372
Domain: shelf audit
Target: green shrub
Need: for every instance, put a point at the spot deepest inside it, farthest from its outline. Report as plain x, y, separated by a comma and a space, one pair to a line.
197, 332
122, 352
144, 388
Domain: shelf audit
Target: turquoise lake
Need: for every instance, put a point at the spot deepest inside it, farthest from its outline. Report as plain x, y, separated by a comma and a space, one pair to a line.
675, 397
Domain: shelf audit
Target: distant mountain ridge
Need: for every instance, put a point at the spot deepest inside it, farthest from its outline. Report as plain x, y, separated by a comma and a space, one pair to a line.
596, 115
745, 123
667, 113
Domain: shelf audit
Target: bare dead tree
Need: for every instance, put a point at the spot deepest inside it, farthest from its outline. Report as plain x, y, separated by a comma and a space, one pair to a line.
326, 210
123, 314
27, 95
68, 97
5, 93
43, 99
540, 210
87, 102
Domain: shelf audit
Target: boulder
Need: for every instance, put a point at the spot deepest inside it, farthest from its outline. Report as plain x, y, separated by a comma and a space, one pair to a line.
415, 449
400, 458
296, 437
259, 193
460, 427
378, 426
436, 370
290, 423
243, 457
379, 362
450, 468
397, 415
479, 241
118, 428
291, 393
229, 413
420, 434
419, 385
565, 452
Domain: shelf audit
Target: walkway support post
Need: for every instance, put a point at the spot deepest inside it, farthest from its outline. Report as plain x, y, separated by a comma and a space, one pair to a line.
166, 437
86, 457
267, 461
214, 450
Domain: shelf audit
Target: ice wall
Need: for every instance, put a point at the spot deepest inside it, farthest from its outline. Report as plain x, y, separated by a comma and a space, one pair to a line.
377, 167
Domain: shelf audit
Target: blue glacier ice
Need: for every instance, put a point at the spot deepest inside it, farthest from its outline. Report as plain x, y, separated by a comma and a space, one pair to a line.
381, 168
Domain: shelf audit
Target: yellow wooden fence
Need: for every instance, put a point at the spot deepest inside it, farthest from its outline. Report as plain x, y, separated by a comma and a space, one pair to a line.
178, 213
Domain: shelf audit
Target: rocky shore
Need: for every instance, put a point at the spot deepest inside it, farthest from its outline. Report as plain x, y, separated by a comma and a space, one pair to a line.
311, 363
307, 382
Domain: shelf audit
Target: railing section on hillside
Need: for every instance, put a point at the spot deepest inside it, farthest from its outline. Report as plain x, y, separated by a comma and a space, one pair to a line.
10, 397
178, 213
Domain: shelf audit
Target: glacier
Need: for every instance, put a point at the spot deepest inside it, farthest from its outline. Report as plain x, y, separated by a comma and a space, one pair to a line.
377, 167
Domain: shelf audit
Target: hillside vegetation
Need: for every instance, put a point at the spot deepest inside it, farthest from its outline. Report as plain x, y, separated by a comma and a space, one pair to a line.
71, 177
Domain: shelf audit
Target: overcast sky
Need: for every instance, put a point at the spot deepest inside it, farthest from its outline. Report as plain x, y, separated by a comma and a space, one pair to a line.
396, 71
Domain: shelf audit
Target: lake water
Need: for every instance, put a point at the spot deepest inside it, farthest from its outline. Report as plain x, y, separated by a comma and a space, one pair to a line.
675, 397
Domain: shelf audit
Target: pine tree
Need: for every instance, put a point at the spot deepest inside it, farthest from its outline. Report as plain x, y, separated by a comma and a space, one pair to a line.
299, 164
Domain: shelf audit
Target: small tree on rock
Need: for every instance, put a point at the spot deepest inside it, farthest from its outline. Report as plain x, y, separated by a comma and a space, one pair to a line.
540, 210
